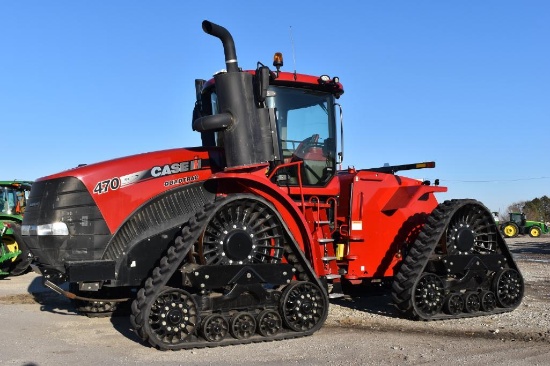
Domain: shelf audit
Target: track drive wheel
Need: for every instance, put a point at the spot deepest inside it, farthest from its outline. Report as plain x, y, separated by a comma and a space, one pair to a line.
510, 230
534, 231
242, 231
303, 307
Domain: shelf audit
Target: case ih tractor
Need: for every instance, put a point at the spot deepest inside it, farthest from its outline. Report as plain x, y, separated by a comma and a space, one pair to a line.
13, 196
246, 238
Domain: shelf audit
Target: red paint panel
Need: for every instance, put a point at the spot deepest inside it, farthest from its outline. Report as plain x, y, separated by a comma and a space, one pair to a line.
121, 185
385, 210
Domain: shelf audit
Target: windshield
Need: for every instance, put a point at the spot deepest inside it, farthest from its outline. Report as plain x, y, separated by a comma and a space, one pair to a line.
306, 128
301, 114
12, 201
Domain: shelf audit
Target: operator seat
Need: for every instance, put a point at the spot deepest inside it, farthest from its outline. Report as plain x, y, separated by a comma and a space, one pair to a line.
317, 164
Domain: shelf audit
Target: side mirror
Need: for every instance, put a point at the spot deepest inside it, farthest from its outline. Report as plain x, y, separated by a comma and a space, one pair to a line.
262, 82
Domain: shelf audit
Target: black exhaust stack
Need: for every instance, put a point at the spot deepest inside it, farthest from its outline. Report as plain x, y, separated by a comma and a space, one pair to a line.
245, 138
227, 42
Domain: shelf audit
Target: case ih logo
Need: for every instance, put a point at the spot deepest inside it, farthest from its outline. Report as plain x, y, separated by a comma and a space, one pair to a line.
112, 184
184, 166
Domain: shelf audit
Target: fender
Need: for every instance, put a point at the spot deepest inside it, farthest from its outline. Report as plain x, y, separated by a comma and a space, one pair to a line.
257, 183
142, 239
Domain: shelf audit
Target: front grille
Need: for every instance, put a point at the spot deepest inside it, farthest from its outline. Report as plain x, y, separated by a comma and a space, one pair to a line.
67, 200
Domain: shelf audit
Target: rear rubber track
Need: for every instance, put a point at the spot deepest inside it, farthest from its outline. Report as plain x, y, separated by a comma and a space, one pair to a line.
422, 251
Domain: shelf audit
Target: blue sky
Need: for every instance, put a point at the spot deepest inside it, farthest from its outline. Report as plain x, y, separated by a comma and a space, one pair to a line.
463, 83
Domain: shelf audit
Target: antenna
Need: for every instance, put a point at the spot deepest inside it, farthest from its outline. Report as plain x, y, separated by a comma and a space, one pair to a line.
293, 53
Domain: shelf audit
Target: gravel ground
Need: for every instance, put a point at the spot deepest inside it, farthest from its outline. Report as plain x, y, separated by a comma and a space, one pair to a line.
529, 322
41, 328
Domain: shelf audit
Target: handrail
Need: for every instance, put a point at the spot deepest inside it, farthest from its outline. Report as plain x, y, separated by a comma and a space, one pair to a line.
285, 165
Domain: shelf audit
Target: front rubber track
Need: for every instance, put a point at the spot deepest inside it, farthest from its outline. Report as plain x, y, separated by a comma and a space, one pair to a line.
172, 262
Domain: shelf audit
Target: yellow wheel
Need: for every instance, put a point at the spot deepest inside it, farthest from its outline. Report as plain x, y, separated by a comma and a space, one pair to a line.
13, 243
534, 231
510, 230
10, 245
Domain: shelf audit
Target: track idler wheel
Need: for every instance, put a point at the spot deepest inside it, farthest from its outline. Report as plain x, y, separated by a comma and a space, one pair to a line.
508, 288
172, 319
98, 308
304, 306
429, 295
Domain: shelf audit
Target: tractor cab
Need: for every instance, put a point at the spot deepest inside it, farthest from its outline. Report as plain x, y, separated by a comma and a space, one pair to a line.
305, 131
518, 218
300, 128
13, 198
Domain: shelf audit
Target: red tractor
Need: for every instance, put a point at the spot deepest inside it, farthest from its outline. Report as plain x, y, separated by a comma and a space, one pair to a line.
246, 238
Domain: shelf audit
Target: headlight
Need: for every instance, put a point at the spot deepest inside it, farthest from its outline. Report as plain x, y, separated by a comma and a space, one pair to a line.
57, 228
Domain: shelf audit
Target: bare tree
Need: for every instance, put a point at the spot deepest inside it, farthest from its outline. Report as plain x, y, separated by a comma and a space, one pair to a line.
537, 209
514, 207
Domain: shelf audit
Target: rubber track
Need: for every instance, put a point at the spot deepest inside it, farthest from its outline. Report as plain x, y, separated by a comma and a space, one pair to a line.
170, 263
419, 254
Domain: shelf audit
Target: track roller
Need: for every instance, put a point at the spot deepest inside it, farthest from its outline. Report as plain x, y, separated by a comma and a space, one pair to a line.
472, 302
214, 328
242, 325
454, 304
269, 323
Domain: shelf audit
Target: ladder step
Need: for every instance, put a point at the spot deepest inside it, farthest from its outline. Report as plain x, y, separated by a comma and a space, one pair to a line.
325, 240
326, 259
332, 276
313, 204
322, 222
336, 295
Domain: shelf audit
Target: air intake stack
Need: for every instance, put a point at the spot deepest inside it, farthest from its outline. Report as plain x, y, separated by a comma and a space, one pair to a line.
238, 120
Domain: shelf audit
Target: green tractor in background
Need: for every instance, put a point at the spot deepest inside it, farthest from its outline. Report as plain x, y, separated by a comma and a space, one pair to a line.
519, 225
15, 258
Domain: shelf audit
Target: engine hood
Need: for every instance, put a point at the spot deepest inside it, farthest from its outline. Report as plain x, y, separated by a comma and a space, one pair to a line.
120, 186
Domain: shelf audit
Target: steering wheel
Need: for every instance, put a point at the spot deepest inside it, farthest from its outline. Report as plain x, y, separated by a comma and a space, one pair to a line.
305, 145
